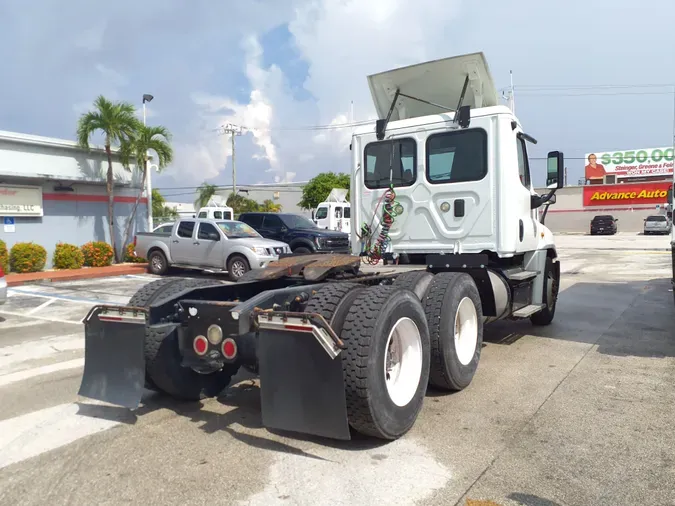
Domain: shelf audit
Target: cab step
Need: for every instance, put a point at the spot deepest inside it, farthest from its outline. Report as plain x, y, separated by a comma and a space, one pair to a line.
526, 311
520, 275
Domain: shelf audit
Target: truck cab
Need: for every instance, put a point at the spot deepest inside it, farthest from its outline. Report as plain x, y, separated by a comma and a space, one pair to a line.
215, 212
445, 171
335, 212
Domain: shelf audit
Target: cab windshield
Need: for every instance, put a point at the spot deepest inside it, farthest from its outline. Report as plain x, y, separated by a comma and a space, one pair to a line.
236, 229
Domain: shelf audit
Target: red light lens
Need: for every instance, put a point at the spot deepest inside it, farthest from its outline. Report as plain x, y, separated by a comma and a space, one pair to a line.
2, 273
201, 345
229, 348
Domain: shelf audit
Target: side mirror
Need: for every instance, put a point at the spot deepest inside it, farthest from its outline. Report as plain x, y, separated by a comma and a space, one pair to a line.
213, 236
555, 170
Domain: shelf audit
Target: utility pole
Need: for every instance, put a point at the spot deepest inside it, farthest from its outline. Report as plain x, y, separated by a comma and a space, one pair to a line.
148, 188
233, 130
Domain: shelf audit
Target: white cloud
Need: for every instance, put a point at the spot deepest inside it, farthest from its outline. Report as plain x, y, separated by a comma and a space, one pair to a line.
342, 41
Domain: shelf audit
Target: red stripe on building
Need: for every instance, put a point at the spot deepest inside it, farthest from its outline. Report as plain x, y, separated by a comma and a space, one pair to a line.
73, 197
597, 210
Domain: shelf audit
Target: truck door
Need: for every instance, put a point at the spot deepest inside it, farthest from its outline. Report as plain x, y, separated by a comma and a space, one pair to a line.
525, 214
272, 227
182, 247
209, 247
321, 216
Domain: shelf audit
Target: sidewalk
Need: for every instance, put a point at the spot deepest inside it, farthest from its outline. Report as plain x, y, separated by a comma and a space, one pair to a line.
75, 274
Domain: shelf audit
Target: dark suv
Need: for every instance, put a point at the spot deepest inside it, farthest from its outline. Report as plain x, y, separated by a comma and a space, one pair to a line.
300, 233
604, 224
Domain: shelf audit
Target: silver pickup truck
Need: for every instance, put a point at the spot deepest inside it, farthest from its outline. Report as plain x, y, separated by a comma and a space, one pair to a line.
215, 245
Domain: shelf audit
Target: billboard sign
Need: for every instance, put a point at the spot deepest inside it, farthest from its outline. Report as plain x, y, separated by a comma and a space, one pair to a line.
20, 200
637, 194
628, 164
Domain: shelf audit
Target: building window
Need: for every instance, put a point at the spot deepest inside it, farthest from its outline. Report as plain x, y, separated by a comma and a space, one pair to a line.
390, 163
459, 156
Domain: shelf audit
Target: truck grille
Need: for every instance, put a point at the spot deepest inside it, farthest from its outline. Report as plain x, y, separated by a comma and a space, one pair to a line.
337, 242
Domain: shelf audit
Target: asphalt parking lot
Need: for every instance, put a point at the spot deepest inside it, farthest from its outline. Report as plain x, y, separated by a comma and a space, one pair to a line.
578, 413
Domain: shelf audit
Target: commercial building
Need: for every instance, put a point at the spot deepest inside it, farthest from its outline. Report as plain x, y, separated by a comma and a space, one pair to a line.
52, 191
287, 195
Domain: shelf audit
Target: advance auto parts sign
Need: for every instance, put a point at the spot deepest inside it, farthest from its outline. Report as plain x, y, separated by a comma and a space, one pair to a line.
20, 200
627, 164
626, 194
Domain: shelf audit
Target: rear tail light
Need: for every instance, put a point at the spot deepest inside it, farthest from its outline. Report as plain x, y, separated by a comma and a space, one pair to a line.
229, 348
200, 345
134, 241
2, 273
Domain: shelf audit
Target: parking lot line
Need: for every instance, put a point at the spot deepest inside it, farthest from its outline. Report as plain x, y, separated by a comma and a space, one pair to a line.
47, 295
38, 432
41, 306
24, 315
15, 377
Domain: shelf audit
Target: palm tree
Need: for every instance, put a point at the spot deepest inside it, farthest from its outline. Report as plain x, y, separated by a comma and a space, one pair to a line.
146, 139
118, 123
204, 194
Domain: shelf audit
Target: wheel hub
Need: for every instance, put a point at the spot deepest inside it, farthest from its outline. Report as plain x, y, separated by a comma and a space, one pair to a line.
403, 361
466, 331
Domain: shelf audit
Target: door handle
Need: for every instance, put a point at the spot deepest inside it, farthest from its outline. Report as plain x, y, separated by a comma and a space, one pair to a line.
196, 242
175, 240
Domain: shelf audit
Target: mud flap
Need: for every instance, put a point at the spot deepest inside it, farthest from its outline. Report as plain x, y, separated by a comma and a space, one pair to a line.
114, 359
301, 387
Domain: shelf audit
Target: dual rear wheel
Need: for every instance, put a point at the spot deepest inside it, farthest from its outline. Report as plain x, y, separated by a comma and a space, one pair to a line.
422, 330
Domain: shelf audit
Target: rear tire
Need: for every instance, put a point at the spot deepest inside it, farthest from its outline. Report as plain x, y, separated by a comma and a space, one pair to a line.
384, 386
550, 296
455, 314
415, 281
157, 263
333, 302
163, 370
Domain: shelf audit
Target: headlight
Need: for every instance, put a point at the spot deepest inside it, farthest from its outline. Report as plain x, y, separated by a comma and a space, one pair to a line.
259, 251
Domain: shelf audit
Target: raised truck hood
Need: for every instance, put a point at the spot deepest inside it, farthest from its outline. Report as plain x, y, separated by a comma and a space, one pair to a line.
440, 82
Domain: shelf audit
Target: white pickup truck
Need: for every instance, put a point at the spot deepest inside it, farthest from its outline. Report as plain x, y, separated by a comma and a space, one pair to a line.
214, 245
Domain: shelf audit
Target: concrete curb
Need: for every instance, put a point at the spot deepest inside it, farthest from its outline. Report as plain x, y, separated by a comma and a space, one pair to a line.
75, 274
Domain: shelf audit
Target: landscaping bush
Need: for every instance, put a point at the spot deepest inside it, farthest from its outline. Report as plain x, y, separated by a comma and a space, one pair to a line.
27, 257
67, 256
130, 256
97, 254
4, 256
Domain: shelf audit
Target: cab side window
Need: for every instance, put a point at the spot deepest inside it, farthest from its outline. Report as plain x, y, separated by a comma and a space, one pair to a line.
523, 163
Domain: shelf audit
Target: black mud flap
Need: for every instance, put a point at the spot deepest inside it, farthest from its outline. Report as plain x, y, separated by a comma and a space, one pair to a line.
301, 388
114, 359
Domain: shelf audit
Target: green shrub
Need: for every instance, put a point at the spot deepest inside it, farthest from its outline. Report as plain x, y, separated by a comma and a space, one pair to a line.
67, 256
27, 257
97, 254
4, 256
130, 256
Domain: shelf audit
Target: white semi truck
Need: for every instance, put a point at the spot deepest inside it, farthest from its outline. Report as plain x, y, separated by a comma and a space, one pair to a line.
442, 175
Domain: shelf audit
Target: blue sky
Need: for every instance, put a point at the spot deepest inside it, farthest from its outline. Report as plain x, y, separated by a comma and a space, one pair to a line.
273, 65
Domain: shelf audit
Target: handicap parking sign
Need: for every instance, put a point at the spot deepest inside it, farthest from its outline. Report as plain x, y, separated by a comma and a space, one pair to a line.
9, 224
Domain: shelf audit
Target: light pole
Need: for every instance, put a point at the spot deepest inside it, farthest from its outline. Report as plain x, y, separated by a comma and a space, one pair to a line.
148, 188
234, 130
